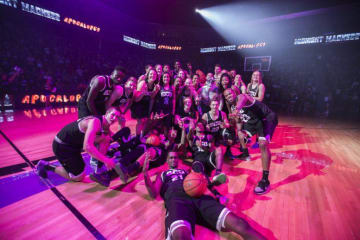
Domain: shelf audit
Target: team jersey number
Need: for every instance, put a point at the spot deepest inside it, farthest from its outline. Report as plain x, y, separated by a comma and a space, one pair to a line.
176, 177
244, 117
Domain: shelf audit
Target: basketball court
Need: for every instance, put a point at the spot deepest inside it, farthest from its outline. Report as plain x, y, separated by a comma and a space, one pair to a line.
314, 177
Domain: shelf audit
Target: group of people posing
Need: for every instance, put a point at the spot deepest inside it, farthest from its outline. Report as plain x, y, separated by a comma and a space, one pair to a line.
179, 114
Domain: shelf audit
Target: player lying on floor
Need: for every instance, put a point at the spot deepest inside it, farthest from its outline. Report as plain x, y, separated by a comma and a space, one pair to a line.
183, 211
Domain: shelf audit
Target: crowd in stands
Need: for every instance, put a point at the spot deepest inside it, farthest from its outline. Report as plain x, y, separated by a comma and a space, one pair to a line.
302, 80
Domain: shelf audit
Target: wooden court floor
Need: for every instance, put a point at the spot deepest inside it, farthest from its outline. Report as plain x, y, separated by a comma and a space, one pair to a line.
314, 175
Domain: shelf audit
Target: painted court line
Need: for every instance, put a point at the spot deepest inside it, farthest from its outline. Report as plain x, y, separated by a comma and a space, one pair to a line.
61, 197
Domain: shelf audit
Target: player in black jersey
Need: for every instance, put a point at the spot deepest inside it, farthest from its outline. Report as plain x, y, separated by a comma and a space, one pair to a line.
216, 123
230, 102
130, 164
235, 120
256, 88
121, 97
205, 160
164, 108
185, 116
81, 134
124, 97
94, 100
257, 118
133, 154
183, 211
239, 86
143, 101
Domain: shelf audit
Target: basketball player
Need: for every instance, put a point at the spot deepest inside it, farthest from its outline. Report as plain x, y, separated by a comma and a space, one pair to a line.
205, 160
153, 148
164, 107
143, 101
95, 98
177, 68
183, 211
234, 121
122, 97
256, 88
217, 74
204, 95
159, 70
239, 86
216, 122
133, 154
257, 118
186, 116
81, 134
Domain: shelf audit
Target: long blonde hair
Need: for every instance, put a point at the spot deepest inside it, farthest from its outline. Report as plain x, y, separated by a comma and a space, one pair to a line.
260, 77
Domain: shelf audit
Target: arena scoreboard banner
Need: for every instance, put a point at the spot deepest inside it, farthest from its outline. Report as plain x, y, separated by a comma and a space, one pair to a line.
9, 3
41, 99
233, 47
208, 50
252, 45
139, 42
40, 11
131, 40
150, 45
81, 24
167, 47
46, 13
330, 38
26, 7
147, 45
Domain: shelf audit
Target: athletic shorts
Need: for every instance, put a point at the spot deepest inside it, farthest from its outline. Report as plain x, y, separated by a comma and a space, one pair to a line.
264, 129
84, 111
253, 129
223, 136
187, 211
70, 158
270, 124
131, 157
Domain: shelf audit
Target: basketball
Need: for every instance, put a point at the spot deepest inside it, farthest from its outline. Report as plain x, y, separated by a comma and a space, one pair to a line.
153, 140
195, 184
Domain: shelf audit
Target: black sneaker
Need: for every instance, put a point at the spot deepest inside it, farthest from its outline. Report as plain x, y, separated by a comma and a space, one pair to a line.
262, 187
122, 171
245, 155
40, 168
101, 178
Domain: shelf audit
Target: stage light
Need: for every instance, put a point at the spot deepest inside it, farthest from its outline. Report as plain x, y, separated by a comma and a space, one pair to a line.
248, 21
197, 10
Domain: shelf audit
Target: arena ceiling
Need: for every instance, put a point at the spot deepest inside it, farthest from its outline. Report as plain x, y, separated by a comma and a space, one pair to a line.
182, 12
